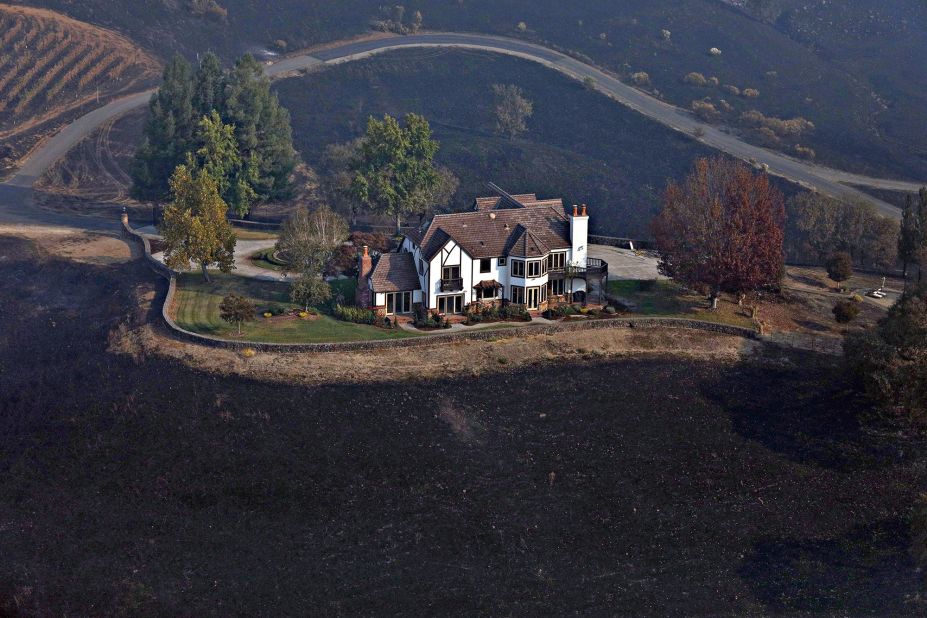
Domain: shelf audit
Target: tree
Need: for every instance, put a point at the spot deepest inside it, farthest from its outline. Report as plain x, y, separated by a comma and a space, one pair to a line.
242, 99
819, 226
909, 236
310, 290
721, 230
217, 154
194, 226
394, 170
890, 362
512, 110
236, 309
839, 267
308, 240
168, 132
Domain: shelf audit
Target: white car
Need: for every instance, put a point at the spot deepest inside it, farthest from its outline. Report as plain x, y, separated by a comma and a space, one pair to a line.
877, 294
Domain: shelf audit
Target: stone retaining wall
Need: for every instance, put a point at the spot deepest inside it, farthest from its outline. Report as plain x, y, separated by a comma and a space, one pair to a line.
424, 340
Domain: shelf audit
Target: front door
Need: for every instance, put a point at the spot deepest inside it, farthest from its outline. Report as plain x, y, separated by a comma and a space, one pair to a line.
534, 298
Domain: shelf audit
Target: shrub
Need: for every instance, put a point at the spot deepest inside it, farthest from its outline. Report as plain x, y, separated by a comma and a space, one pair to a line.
732, 90
522, 26
611, 310
695, 79
750, 93
357, 315
268, 314
705, 110
846, 311
249, 353
640, 78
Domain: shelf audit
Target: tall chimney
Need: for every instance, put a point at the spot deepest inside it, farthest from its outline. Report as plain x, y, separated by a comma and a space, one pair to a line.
575, 210
583, 214
363, 296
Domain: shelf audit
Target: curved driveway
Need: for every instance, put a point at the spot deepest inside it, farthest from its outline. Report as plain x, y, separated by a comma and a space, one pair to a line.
825, 180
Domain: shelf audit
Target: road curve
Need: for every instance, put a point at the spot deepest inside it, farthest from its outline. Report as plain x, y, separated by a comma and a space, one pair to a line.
823, 179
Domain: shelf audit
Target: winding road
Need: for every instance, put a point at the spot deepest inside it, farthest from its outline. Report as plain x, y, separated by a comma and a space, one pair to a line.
16, 198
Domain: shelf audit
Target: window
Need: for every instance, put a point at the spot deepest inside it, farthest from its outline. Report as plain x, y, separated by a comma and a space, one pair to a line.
501, 262
543, 293
487, 294
536, 268
557, 287
450, 304
450, 272
557, 261
518, 268
398, 302
518, 295
485, 265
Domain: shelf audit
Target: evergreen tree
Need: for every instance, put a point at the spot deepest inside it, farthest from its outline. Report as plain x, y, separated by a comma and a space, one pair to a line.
168, 133
262, 127
909, 236
241, 99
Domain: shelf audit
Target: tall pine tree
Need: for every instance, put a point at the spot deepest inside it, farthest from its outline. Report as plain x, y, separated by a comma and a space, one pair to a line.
192, 114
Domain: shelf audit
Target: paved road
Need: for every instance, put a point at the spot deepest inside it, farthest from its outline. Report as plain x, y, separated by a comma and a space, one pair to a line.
823, 179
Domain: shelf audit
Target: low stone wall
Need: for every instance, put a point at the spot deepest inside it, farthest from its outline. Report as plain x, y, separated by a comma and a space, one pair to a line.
422, 341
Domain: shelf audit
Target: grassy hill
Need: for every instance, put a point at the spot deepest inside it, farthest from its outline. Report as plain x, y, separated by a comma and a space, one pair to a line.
847, 67
580, 145
53, 67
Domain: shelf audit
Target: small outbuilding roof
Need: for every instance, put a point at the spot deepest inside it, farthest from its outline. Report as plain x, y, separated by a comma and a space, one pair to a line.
394, 272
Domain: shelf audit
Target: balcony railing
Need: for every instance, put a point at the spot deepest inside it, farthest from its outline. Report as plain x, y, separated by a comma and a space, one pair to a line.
594, 266
452, 285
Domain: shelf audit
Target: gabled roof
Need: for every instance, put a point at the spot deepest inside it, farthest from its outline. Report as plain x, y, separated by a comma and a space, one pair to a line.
525, 243
493, 233
394, 272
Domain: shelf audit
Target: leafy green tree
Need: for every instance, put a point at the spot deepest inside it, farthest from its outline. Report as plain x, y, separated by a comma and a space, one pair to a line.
236, 309
209, 85
310, 291
394, 170
512, 110
839, 266
194, 227
217, 154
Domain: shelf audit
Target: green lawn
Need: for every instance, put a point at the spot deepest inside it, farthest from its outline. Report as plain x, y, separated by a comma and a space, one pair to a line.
247, 234
668, 299
197, 310
264, 259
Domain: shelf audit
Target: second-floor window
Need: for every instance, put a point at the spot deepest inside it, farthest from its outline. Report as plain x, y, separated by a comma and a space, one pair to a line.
485, 265
536, 268
556, 261
450, 272
518, 268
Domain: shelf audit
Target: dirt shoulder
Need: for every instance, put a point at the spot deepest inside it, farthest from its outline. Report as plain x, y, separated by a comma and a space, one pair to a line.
460, 359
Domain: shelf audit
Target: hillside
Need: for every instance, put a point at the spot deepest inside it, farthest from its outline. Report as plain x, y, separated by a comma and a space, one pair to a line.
798, 57
53, 67
580, 145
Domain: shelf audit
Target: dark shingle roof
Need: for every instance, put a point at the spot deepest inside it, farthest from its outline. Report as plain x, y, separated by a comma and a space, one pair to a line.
394, 272
525, 243
494, 233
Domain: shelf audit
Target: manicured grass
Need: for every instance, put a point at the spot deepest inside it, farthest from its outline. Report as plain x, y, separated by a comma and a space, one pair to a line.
197, 309
264, 259
246, 234
668, 299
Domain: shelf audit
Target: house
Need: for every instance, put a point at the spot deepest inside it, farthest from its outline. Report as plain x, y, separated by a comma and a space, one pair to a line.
512, 248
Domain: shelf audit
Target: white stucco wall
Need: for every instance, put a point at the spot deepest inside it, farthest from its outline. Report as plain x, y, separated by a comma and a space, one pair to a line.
579, 237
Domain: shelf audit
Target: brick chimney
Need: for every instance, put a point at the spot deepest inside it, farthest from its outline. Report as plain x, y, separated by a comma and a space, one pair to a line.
363, 296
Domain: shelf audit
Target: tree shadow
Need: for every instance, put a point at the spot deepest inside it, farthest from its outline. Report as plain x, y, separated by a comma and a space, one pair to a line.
811, 415
867, 570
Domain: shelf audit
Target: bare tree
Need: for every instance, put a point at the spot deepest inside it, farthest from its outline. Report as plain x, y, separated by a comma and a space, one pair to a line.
308, 240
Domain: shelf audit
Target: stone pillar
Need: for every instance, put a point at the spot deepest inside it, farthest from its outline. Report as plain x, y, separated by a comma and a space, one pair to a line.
363, 296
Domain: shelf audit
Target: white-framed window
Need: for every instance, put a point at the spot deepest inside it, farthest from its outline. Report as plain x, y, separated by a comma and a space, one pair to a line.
557, 261
557, 287
501, 262
518, 268
487, 294
398, 302
533, 297
536, 268
518, 294
451, 304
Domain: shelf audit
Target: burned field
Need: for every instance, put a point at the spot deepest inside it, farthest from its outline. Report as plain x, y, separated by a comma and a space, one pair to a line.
637, 486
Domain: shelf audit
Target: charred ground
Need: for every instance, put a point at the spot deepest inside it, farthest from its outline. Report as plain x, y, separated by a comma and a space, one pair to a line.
647, 486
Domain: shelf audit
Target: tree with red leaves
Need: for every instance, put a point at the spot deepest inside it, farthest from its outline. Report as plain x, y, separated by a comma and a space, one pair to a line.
721, 230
